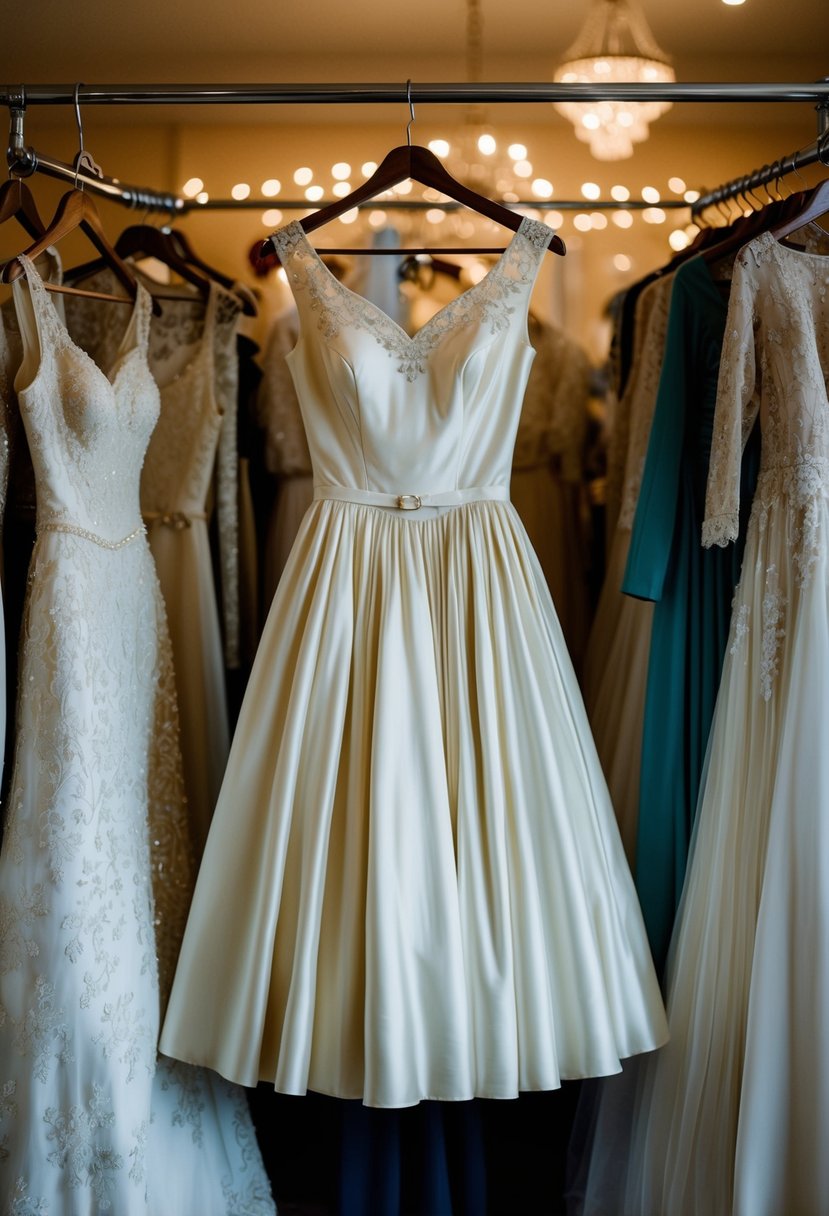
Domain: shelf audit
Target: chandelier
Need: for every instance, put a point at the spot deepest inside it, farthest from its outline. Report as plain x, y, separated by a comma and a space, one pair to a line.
615, 45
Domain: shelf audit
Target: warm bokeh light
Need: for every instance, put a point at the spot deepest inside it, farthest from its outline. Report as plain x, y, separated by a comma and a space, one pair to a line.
303, 176
440, 147
340, 171
272, 217
650, 194
314, 194
541, 188
676, 184
621, 194
517, 152
271, 187
341, 189
622, 262
591, 190
240, 191
486, 144
192, 187
622, 219
582, 222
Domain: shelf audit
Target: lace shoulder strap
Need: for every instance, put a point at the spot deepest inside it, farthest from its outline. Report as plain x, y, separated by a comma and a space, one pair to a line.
523, 256
46, 318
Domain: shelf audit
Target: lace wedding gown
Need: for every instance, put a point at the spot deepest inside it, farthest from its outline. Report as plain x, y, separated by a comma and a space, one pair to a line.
414, 885
192, 354
95, 871
735, 1112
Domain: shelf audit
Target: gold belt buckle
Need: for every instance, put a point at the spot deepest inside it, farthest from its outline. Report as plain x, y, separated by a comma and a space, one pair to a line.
409, 502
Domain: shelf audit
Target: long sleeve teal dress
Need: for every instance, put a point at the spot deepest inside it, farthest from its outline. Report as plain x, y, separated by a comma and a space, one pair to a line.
692, 587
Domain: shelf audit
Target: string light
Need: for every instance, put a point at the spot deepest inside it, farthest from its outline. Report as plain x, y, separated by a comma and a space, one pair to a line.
591, 190
620, 194
192, 187
272, 217
303, 176
440, 147
271, 187
240, 191
622, 262
622, 219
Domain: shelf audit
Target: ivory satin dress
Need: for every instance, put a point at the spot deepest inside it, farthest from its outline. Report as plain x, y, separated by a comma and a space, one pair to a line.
413, 885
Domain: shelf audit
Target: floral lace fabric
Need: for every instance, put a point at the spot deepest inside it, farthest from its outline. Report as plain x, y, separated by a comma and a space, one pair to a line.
628, 447
553, 421
192, 354
95, 868
775, 363
337, 306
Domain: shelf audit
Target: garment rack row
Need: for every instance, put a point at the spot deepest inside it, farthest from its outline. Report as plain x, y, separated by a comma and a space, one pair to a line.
24, 160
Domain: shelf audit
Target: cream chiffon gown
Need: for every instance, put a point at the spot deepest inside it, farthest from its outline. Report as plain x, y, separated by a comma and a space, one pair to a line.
414, 885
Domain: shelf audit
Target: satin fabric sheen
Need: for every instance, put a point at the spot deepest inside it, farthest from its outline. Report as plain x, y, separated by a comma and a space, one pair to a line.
414, 885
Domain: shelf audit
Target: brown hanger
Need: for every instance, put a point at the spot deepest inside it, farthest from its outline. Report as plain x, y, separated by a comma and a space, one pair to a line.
144, 240
17, 203
182, 244
76, 210
421, 165
813, 205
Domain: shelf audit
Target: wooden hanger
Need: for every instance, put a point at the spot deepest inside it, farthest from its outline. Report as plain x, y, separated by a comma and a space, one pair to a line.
76, 209
745, 228
17, 203
813, 205
421, 165
145, 240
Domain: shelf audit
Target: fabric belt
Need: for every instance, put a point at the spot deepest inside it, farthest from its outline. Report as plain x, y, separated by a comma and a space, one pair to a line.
413, 502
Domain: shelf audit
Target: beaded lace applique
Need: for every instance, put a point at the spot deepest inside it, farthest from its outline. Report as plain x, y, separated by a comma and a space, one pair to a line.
487, 301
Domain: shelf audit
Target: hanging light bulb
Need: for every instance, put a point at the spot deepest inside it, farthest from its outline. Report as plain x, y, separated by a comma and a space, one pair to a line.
614, 46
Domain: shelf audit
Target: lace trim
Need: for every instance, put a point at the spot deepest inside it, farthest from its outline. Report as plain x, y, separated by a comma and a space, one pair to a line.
774, 603
739, 626
172, 858
227, 470
720, 530
487, 301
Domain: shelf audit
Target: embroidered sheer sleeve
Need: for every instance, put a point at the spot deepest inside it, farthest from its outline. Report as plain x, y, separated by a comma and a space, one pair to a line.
227, 469
738, 401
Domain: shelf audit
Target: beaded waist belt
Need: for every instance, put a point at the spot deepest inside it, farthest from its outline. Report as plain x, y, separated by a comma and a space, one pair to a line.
413, 502
177, 520
63, 525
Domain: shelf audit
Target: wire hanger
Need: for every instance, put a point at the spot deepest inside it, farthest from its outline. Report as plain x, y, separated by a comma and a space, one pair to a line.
76, 209
411, 161
17, 203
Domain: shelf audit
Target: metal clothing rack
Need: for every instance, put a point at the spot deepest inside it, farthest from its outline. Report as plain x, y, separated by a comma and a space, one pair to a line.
24, 160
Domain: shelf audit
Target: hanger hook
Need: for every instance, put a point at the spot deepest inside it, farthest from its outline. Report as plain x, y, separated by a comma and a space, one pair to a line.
79, 123
411, 113
823, 148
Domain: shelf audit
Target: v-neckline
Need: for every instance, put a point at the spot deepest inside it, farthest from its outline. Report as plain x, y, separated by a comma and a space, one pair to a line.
123, 353
412, 341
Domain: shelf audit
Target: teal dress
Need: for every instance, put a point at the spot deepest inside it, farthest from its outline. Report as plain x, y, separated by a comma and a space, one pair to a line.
692, 588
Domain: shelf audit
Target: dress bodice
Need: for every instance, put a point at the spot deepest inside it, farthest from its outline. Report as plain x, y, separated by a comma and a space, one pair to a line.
182, 452
396, 414
87, 429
